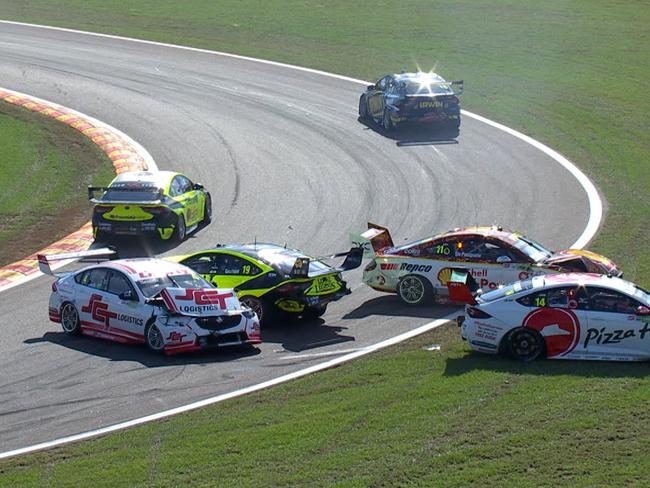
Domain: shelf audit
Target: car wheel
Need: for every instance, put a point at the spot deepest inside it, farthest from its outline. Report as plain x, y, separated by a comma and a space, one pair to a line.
363, 107
207, 210
414, 290
386, 123
258, 306
154, 338
525, 344
314, 312
180, 230
70, 319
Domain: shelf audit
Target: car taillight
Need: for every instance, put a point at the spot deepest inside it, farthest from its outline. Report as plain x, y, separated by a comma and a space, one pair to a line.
102, 209
477, 313
371, 265
54, 288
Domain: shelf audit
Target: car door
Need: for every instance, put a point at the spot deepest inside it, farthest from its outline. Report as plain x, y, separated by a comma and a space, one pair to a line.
92, 306
376, 98
559, 314
490, 263
190, 198
128, 316
223, 269
615, 332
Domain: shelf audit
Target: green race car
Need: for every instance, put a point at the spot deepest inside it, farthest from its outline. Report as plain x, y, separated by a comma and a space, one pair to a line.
162, 202
272, 279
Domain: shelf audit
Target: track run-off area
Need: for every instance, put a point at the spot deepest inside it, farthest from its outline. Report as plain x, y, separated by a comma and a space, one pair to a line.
286, 160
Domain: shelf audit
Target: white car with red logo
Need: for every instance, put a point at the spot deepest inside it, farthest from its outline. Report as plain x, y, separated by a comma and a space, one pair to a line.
164, 305
419, 271
565, 316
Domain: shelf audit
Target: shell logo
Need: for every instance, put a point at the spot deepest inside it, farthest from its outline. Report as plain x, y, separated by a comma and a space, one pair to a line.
444, 276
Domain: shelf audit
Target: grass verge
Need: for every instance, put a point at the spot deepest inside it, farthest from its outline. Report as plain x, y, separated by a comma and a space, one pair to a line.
405, 416
46, 167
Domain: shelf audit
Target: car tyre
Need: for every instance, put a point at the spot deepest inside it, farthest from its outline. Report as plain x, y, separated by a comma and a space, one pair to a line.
207, 210
526, 344
363, 107
314, 312
415, 290
154, 339
181, 229
70, 319
386, 122
261, 308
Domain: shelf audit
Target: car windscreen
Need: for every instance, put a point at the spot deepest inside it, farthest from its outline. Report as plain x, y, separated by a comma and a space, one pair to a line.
152, 286
131, 192
534, 250
507, 290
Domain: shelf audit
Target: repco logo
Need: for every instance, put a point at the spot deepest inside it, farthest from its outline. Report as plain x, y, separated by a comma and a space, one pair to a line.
98, 310
410, 268
205, 297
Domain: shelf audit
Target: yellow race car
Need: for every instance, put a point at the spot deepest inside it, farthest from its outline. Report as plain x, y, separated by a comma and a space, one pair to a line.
164, 203
274, 280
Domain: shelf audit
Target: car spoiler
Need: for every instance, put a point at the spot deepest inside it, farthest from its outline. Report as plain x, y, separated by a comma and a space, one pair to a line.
457, 86
353, 259
93, 254
94, 189
373, 240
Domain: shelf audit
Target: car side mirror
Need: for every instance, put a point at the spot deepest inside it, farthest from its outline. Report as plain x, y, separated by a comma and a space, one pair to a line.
198, 186
371, 87
643, 311
504, 259
127, 296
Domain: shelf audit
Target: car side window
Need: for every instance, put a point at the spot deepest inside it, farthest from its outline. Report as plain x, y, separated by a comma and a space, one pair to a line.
382, 84
94, 278
439, 249
185, 184
606, 300
201, 264
564, 297
118, 284
176, 187
477, 249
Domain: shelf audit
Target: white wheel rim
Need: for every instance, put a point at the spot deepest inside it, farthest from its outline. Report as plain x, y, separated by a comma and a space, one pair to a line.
69, 318
411, 290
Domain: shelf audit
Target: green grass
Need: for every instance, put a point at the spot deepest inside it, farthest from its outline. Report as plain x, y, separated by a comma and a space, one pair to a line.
46, 167
405, 416
574, 75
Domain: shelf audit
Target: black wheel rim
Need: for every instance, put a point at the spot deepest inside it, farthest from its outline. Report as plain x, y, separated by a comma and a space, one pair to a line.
254, 304
525, 345
155, 338
69, 318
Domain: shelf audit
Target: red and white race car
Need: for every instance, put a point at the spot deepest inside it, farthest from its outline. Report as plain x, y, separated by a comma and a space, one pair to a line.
165, 305
565, 316
419, 271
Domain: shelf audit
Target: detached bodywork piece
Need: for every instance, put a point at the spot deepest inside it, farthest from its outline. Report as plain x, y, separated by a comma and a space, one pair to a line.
492, 256
565, 316
163, 203
273, 279
165, 305
412, 97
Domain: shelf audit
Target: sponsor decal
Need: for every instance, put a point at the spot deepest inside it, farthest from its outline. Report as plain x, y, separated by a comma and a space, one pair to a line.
389, 266
431, 104
175, 336
603, 336
560, 329
205, 297
411, 268
98, 310
444, 275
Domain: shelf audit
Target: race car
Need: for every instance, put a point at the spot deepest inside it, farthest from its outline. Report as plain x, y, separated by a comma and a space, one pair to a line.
412, 97
565, 316
164, 305
272, 279
419, 271
162, 203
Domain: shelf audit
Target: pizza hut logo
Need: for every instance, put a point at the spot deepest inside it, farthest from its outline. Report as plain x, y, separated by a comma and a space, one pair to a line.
559, 327
98, 310
205, 297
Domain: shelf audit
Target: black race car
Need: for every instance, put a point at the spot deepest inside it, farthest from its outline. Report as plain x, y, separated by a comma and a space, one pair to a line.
412, 97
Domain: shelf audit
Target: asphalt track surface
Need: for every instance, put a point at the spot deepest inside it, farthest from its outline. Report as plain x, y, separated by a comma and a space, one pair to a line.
286, 161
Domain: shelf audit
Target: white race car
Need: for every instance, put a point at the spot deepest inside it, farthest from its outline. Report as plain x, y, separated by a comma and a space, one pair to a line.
419, 271
565, 316
165, 305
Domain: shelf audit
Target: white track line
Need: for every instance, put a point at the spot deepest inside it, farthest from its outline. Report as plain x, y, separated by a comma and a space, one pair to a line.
226, 396
595, 208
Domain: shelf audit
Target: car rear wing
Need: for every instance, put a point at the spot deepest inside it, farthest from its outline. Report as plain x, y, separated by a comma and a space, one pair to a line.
353, 259
93, 254
373, 240
92, 190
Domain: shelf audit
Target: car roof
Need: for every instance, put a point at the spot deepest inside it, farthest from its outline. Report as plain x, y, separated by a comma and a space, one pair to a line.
160, 179
141, 268
584, 279
419, 77
254, 250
